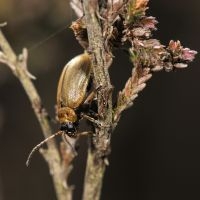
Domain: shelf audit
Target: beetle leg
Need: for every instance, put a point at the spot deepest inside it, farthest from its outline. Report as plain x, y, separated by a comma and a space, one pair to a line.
93, 113
97, 122
85, 133
90, 103
90, 97
90, 119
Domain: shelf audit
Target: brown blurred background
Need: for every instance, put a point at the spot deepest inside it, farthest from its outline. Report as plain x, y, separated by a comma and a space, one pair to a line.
156, 146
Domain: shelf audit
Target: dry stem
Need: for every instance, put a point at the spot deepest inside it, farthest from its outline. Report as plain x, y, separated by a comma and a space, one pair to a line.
18, 65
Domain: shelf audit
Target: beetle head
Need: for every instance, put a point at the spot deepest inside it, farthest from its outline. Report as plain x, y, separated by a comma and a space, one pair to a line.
67, 118
69, 128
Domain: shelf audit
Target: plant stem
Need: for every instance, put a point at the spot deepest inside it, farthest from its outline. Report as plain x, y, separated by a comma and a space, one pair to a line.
51, 154
93, 178
100, 143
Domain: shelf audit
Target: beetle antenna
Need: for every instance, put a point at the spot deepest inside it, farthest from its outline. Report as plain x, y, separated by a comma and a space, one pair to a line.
39, 145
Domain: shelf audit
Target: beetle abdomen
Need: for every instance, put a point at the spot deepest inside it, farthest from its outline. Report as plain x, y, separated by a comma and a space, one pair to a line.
74, 81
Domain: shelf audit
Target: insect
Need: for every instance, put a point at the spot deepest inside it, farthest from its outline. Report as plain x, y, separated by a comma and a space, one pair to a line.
72, 96
71, 93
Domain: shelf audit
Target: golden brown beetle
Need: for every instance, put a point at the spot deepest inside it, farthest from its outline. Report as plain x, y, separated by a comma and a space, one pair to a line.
71, 95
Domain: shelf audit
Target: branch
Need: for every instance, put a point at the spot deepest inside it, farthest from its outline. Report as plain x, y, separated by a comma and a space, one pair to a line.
149, 56
104, 26
126, 97
18, 65
100, 143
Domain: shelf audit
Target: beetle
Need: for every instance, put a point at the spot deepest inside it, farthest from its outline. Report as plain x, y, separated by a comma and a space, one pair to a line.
71, 92
72, 95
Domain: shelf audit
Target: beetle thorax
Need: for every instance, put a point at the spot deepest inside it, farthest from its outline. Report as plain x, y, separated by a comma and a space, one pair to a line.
66, 114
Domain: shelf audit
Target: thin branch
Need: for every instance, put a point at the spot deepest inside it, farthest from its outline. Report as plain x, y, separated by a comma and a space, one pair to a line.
93, 177
18, 65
